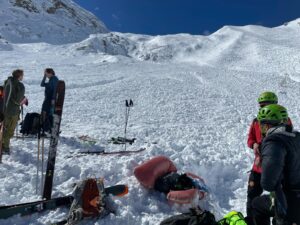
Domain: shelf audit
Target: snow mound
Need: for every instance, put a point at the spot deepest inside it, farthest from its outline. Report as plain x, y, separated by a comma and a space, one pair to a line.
51, 21
241, 48
293, 24
5, 45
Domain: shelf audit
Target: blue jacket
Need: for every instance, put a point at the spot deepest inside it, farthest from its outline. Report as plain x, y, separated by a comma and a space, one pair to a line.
50, 88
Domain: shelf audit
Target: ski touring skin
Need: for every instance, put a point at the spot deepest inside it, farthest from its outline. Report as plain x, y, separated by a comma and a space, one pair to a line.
24, 209
55, 131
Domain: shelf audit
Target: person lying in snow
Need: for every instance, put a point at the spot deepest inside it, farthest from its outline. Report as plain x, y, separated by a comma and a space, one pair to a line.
161, 175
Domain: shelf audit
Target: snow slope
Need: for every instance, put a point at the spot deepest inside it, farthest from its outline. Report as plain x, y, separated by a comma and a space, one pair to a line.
195, 96
51, 21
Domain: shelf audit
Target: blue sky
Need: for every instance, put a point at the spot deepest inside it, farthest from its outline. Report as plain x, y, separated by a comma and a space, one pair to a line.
189, 16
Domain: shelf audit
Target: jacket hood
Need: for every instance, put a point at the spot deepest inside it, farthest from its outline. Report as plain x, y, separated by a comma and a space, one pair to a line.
281, 129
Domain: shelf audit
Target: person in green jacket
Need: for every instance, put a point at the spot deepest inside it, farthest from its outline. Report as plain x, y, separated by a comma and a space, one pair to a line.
14, 91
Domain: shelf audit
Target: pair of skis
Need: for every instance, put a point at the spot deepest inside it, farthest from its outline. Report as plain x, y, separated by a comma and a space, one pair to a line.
103, 153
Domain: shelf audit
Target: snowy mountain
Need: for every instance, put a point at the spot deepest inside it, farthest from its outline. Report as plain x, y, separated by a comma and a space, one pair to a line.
241, 48
51, 21
195, 96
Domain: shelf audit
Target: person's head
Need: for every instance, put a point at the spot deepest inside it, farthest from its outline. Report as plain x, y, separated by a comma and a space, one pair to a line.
18, 74
271, 116
49, 72
267, 98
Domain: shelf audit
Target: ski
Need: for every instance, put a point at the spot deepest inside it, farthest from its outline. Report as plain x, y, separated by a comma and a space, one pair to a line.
24, 209
34, 207
59, 102
103, 153
1, 139
1, 119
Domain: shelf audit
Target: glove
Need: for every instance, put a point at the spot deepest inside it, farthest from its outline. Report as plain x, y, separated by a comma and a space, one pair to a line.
256, 148
75, 216
24, 101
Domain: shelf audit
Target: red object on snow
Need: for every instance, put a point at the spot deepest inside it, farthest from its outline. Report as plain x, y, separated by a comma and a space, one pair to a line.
183, 197
149, 171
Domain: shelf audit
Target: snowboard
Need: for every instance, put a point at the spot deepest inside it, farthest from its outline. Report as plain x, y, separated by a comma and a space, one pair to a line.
59, 102
24, 209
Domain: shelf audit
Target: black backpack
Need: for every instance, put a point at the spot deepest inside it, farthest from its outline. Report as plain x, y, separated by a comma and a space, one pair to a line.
194, 217
31, 124
173, 181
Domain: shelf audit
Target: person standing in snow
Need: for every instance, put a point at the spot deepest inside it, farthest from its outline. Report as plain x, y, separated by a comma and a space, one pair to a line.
14, 92
280, 152
49, 101
254, 142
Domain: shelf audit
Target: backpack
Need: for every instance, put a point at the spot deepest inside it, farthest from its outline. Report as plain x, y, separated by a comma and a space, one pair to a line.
31, 124
194, 217
90, 200
233, 218
173, 181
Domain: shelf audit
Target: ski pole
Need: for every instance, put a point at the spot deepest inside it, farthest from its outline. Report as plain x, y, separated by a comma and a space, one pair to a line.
22, 121
128, 105
43, 153
38, 156
37, 166
126, 121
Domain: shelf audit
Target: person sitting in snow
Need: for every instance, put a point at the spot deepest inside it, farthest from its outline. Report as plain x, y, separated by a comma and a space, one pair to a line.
254, 142
49, 101
280, 152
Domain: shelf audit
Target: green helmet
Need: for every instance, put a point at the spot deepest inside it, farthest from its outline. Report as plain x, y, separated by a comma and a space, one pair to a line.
273, 114
269, 97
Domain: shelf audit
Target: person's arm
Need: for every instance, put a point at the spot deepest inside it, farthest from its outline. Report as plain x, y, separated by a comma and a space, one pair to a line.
43, 84
54, 83
273, 157
290, 122
251, 136
21, 94
7, 88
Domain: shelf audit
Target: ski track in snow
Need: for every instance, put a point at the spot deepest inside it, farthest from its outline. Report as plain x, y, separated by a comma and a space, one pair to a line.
198, 113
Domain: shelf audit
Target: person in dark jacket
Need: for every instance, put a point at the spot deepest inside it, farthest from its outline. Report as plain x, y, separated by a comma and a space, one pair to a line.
254, 142
280, 152
49, 102
14, 91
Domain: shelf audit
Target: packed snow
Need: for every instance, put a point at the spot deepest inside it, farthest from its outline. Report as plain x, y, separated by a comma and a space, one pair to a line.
195, 96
